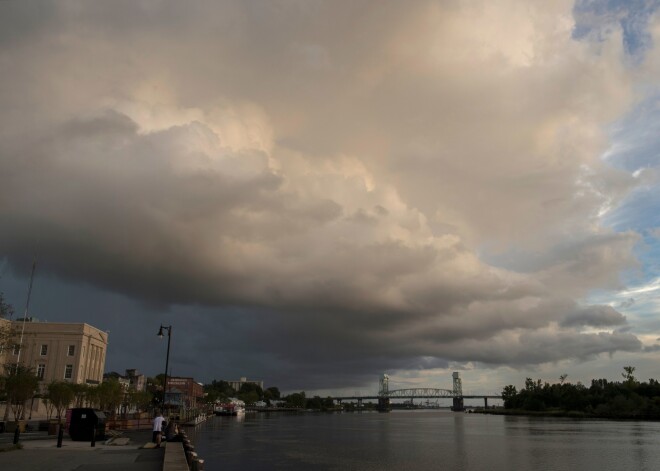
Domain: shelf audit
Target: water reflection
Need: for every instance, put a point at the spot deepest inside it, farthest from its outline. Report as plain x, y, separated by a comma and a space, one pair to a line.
421, 440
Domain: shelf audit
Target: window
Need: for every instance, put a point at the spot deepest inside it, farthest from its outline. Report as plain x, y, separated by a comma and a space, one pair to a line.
68, 372
44, 350
72, 350
17, 348
41, 371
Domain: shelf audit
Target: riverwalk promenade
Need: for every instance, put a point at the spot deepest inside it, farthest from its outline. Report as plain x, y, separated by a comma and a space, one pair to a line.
135, 455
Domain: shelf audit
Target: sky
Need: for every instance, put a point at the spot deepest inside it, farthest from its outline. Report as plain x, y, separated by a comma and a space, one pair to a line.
313, 193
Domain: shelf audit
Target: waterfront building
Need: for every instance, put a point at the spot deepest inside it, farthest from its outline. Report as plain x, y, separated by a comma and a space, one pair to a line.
72, 352
184, 392
236, 385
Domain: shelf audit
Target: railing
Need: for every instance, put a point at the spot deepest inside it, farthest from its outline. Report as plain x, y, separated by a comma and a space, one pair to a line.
129, 424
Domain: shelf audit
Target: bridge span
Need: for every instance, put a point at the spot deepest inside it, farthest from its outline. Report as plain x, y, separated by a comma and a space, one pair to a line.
385, 395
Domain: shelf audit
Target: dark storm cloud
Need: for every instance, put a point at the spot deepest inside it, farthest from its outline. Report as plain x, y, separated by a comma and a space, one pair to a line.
319, 187
594, 316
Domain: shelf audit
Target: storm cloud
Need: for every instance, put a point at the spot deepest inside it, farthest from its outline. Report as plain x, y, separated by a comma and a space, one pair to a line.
355, 187
595, 316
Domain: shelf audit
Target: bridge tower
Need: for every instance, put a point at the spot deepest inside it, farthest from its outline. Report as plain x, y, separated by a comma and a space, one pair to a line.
457, 392
384, 394
384, 385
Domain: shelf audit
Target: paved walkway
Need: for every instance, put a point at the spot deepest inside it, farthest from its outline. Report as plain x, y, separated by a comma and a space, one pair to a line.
80, 456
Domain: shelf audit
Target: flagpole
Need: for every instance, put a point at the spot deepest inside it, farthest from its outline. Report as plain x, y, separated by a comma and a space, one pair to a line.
27, 308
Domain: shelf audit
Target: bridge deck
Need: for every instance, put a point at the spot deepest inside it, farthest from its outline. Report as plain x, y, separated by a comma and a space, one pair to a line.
471, 396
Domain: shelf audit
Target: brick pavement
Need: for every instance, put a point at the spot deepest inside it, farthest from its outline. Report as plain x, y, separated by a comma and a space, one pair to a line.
80, 456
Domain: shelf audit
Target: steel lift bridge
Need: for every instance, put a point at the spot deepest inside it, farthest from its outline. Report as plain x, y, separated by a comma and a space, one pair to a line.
385, 395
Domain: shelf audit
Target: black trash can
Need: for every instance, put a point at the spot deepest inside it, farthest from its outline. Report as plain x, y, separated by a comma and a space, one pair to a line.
85, 422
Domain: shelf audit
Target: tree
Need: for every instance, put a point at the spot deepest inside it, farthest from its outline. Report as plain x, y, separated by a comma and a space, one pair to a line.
110, 396
532, 386
249, 397
6, 309
7, 341
220, 391
49, 407
60, 395
314, 403
509, 394
141, 399
159, 380
628, 375
212, 396
274, 392
251, 387
7, 335
250, 393
154, 386
296, 400
20, 384
328, 403
82, 393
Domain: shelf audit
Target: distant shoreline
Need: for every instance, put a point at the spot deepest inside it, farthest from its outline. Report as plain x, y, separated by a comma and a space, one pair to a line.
560, 414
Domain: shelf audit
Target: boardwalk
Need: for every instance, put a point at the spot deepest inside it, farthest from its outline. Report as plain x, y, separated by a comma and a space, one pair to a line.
80, 456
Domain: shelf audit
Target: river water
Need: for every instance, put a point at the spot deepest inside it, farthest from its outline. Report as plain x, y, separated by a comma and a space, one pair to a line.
423, 440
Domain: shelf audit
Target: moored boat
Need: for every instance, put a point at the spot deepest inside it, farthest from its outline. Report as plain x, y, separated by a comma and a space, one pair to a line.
232, 408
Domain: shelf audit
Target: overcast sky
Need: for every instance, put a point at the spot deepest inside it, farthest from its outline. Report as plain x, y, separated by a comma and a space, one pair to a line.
313, 193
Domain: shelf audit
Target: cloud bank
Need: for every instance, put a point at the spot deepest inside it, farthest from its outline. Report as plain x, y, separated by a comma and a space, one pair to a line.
385, 183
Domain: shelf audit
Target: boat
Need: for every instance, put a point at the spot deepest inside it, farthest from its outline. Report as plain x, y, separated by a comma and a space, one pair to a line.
232, 408
229, 409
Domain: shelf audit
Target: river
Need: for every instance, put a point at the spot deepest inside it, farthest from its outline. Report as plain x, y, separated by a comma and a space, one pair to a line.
423, 440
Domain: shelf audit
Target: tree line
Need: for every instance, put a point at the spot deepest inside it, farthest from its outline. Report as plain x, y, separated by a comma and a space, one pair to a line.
626, 399
19, 385
250, 393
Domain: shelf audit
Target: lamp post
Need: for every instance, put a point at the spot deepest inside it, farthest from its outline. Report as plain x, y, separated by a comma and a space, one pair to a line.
167, 358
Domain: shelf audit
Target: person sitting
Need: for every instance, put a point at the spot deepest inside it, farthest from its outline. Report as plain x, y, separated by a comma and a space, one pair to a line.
172, 432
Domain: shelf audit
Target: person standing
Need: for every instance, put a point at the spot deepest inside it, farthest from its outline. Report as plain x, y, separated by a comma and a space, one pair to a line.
157, 429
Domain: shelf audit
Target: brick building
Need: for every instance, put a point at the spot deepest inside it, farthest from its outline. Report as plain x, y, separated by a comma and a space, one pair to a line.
192, 392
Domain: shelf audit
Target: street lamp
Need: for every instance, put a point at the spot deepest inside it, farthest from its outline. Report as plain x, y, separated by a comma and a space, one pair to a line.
167, 358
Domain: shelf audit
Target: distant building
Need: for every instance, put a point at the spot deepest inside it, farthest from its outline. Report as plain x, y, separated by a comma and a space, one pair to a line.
138, 381
236, 385
131, 381
124, 383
